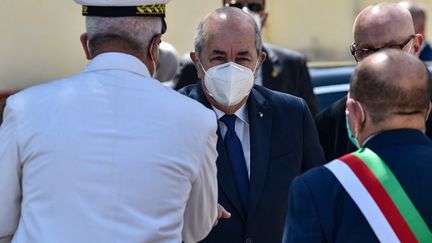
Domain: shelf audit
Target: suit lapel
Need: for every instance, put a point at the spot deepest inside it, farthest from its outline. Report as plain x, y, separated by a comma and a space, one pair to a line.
225, 175
260, 120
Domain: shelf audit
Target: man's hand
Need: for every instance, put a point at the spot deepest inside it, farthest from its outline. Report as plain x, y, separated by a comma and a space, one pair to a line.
222, 214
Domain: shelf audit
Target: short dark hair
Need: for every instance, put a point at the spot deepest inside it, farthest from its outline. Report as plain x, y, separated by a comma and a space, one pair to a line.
381, 93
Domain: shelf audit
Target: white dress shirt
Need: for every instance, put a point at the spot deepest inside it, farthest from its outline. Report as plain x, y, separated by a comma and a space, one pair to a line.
241, 128
109, 155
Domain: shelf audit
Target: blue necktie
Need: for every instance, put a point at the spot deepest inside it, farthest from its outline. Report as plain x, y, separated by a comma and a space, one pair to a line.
236, 157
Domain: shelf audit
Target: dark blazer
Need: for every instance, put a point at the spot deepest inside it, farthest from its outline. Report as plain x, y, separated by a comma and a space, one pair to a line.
320, 210
333, 135
284, 70
283, 143
426, 53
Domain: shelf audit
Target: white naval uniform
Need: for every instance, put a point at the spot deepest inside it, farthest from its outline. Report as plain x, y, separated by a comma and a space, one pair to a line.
109, 155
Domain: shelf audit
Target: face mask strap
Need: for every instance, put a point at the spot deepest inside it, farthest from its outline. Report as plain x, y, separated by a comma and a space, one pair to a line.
256, 66
202, 67
412, 43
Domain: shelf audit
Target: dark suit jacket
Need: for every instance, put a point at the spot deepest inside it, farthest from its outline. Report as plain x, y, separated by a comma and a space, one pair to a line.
283, 143
284, 70
333, 135
321, 210
426, 53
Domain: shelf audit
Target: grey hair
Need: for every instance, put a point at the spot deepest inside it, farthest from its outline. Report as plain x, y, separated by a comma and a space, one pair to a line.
201, 37
134, 32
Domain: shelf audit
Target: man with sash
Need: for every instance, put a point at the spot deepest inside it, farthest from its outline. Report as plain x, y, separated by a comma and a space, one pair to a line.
381, 192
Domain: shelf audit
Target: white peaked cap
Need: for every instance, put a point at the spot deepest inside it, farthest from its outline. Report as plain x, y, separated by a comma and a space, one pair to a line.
122, 8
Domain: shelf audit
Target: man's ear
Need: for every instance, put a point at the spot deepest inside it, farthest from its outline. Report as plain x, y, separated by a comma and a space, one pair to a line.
195, 59
428, 111
153, 53
84, 43
356, 116
262, 57
417, 43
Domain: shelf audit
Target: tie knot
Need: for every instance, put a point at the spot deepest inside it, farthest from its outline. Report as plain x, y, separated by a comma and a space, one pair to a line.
229, 121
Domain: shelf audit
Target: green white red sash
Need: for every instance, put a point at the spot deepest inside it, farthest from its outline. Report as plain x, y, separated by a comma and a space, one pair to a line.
380, 197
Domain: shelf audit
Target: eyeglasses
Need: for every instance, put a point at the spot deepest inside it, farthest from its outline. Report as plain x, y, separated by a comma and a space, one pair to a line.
360, 54
254, 7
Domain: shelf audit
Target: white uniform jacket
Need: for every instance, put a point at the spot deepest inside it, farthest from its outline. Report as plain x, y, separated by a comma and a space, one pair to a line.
109, 155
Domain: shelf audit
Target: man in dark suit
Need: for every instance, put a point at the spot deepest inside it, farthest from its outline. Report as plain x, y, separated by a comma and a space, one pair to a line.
418, 13
385, 25
266, 138
389, 101
284, 70
426, 52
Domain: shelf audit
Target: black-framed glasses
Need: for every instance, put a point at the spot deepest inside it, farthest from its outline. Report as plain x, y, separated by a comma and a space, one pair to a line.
254, 7
361, 53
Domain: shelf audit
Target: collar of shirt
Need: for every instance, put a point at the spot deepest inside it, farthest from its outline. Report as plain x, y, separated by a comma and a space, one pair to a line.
369, 138
117, 61
240, 113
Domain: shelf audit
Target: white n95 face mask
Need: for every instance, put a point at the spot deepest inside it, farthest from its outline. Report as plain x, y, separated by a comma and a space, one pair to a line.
229, 83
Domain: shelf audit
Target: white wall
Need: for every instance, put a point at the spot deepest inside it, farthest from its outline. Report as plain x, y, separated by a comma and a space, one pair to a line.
40, 41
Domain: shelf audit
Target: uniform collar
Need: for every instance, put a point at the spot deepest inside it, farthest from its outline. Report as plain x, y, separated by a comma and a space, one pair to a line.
117, 61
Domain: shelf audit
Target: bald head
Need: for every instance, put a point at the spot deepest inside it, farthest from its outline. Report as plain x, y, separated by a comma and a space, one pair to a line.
226, 21
391, 83
383, 23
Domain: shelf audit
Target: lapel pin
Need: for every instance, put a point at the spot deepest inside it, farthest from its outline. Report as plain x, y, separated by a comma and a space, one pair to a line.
260, 115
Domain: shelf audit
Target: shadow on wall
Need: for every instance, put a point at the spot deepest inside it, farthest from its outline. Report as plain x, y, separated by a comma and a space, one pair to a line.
319, 52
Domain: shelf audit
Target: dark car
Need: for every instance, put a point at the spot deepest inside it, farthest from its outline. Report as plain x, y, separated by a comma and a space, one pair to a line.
332, 83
